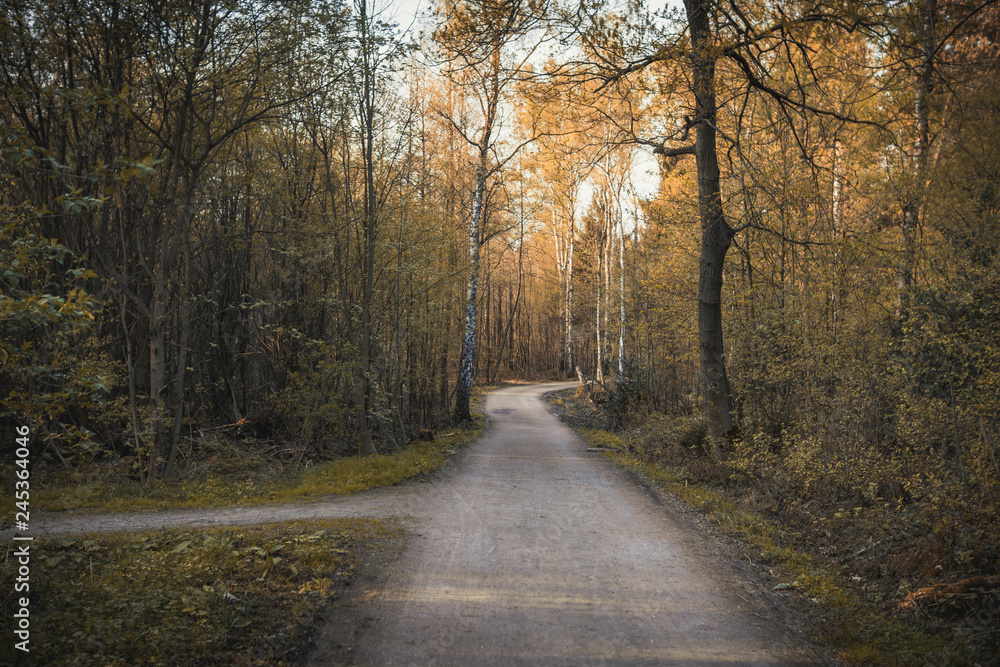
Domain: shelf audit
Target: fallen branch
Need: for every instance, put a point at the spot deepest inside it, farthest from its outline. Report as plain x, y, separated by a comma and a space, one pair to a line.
931, 594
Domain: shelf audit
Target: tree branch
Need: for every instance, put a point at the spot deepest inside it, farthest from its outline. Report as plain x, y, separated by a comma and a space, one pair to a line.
659, 149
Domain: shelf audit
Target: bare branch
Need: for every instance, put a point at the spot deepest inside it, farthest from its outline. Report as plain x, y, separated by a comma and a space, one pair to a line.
669, 152
784, 99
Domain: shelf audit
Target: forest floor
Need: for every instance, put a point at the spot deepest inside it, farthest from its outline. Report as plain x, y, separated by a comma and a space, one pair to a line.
528, 549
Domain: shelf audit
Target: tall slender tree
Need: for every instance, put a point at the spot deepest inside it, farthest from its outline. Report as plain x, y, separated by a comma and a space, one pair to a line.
477, 39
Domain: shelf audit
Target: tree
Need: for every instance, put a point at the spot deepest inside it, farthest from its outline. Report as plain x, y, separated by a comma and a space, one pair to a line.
476, 39
219, 80
44, 312
737, 39
563, 159
375, 51
194, 77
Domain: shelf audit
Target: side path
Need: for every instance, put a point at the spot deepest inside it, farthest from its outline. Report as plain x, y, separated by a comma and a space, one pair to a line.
378, 503
400, 501
533, 551
406, 500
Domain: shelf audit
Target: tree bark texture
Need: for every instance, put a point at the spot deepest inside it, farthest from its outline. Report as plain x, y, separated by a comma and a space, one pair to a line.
716, 234
464, 390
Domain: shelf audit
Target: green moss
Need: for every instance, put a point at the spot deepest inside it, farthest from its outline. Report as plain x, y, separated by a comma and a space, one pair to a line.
246, 595
347, 475
360, 473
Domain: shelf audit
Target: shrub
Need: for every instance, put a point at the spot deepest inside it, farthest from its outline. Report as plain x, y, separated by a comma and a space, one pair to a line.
44, 314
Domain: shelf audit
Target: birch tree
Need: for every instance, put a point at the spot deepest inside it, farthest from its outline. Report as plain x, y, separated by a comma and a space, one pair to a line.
478, 40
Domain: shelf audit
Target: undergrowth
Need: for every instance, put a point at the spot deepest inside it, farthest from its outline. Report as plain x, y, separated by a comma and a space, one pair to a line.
238, 595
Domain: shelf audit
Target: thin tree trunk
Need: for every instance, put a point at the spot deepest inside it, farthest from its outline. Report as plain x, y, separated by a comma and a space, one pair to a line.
445, 398
487, 330
361, 382
911, 209
185, 336
839, 279
570, 362
464, 390
562, 252
157, 376
599, 371
606, 324
515, 303
621, 299
130, 366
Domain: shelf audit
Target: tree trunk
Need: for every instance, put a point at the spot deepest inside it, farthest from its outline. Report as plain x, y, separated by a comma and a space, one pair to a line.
185, 337
599, 371
621, 298
507, 335
157, 375
838, 291
911, 209
464, 390
169, 234
444, 398
716, 234
570, 362
367, 107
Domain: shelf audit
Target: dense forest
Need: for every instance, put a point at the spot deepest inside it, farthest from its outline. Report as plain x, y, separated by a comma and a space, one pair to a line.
771, 228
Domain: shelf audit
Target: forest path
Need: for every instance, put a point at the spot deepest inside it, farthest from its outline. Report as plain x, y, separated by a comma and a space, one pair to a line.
533, 551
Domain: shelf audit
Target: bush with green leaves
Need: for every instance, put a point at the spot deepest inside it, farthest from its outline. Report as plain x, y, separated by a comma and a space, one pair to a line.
44, 314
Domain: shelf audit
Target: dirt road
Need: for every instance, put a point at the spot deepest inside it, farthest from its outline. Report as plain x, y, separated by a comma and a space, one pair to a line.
532, 551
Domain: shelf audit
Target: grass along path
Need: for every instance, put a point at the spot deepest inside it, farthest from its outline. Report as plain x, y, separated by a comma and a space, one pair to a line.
222, 596
343, 476
197, 594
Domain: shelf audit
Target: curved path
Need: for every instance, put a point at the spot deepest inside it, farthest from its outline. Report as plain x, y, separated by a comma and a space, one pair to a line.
529, 550
532, 551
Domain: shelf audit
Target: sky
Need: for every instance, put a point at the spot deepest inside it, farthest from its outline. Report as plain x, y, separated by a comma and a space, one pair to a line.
404, 12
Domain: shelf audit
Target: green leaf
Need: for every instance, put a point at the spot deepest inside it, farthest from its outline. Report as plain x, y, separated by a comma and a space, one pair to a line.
181, 547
